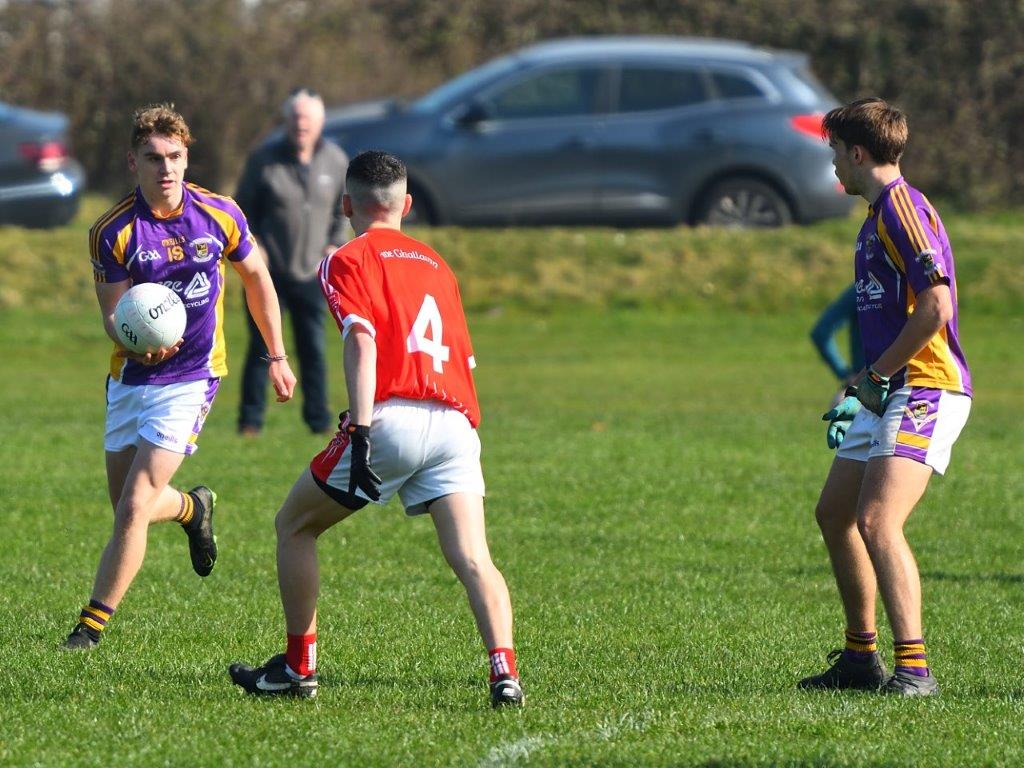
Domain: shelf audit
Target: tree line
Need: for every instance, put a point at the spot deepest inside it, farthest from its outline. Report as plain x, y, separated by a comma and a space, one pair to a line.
956, 67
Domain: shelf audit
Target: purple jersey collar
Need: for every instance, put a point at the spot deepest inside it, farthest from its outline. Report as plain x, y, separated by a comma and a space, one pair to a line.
143, 208
883, 194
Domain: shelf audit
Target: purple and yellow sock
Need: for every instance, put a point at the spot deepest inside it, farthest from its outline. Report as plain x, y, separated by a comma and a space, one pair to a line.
188, 508
911, 657
860, 646
95, 616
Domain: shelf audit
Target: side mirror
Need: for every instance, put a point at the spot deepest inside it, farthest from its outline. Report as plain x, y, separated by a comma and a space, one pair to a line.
471, 115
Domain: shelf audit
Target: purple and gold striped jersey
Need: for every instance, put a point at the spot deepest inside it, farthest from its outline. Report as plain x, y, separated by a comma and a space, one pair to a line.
902, 249
184, 251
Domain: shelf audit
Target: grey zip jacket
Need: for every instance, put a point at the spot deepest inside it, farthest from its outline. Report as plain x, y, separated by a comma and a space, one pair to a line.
294, 210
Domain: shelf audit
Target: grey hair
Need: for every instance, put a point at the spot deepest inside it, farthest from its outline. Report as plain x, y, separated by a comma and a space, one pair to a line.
298, 95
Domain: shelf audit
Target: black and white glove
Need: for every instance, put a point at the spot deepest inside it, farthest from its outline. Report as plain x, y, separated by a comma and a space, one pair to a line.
360, 475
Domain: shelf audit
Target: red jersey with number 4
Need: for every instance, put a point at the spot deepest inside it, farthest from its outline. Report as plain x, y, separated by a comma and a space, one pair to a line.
407, 298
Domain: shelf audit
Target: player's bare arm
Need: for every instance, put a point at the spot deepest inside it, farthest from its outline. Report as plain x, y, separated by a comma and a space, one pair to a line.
360, 359
266, 312
108, 294
933, 310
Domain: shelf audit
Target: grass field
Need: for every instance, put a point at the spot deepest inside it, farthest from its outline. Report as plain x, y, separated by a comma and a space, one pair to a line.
652, 478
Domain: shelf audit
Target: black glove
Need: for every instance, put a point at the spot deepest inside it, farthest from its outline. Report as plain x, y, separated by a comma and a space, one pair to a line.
360, 475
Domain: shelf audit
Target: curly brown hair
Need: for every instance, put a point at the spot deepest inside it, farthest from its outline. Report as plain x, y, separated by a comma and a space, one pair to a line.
160, 119
873, 124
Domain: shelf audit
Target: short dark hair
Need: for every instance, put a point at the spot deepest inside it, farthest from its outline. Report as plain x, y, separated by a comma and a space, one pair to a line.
374, 169
376, 181
158, 119
871, 123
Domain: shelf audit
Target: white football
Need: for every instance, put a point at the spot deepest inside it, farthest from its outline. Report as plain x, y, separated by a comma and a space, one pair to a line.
149, 316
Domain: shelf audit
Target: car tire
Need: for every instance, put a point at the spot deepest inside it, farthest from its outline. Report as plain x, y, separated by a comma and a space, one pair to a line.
743, 203
422, 212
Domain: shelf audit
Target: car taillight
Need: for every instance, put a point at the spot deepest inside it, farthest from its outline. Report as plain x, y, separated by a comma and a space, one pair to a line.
809, 125
47, 156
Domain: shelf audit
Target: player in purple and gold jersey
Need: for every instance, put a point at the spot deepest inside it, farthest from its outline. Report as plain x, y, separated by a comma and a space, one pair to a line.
179, 235
897, 424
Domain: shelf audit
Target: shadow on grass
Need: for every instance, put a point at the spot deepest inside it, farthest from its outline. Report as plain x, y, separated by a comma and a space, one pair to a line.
968, 578
950, 576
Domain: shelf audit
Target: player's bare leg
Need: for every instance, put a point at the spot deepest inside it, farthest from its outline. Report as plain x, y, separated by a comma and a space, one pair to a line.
305, 514
138, 485
858, 665
892, 487
836, 514
145, 498
118, 465
459, 521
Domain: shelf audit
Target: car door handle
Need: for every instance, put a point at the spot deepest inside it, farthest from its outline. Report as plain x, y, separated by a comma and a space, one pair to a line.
579, 142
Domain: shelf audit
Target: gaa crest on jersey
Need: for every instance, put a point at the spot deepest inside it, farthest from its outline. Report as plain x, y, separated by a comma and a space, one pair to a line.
918, 413
872, 246
926, 259
205, 248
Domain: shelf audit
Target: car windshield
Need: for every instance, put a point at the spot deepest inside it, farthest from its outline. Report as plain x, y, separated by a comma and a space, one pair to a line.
467, 82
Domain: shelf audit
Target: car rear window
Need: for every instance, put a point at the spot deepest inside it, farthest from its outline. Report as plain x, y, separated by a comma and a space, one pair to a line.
732, 85
555, 93
647, 88
803, 76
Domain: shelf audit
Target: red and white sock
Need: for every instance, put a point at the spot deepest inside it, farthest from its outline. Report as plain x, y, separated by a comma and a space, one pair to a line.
503, 662
301, 654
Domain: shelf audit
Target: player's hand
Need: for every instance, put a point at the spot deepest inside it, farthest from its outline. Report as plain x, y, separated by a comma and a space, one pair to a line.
283, 379
360, 475
873, 391
152, 358
840, 418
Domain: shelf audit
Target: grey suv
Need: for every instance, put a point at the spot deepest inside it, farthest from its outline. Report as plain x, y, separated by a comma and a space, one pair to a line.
40, 183
613, 130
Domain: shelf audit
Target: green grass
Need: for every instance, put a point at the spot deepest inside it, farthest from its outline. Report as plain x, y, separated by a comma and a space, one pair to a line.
778, 271
651, 484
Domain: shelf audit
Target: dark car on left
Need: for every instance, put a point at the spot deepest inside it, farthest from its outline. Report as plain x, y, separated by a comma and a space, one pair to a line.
40, 182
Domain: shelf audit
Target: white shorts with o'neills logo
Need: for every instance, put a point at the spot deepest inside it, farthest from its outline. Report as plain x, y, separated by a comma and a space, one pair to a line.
169, 416
421, 449
919, 423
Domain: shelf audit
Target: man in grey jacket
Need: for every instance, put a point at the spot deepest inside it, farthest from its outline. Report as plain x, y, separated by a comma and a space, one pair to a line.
291, 192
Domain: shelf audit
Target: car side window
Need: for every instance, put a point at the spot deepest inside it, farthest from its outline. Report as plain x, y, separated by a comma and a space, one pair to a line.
647, 88
731, 85
556, 93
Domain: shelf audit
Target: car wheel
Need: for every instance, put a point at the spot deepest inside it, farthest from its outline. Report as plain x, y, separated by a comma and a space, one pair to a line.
744, 204
422, 212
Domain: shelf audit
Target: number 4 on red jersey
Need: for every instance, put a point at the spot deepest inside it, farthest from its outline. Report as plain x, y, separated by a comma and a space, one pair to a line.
405, 295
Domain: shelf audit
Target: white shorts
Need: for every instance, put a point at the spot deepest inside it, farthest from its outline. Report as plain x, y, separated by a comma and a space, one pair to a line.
169, 416
422, 450
919, 423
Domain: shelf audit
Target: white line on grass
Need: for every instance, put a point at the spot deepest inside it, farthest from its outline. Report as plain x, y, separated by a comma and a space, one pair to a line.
513, 752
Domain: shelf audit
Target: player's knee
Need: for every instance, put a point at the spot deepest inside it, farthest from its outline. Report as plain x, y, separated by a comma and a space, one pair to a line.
469, 566
286, 523
826, 517
130, 512
290, 523
821, 515
872, 526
